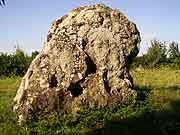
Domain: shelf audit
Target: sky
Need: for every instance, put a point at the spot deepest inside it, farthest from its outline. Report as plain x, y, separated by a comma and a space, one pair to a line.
26, 22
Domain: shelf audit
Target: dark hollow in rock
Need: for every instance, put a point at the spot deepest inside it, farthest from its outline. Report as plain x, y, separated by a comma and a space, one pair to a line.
83, 62
91, 66
53, 81
75, 89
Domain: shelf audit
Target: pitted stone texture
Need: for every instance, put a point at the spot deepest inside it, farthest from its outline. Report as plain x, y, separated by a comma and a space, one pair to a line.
83, 62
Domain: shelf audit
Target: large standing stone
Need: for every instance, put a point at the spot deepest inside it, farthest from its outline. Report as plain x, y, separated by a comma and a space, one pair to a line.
83, 62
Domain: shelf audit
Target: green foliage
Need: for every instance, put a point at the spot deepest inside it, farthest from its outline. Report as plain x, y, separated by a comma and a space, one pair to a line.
34, 54
15, 64
175, 62
156, 53
155, 112
174, 52
19, 63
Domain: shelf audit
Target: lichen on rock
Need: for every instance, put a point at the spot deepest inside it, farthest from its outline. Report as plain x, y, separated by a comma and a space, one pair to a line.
83, 62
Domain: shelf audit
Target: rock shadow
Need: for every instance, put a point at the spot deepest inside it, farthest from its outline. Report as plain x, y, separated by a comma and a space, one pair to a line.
164, 122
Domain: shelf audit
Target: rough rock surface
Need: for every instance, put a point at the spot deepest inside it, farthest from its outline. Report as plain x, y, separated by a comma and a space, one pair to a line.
83, 62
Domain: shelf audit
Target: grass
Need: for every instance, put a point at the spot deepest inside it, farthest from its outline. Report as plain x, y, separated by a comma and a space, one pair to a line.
8, 89
159, 78
156, 111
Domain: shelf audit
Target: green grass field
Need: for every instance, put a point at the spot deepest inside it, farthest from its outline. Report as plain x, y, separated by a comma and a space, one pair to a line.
156, 112
8, 89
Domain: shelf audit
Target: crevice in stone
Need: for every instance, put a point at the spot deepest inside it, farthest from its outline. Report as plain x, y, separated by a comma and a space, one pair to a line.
75, 89
83, 44
91, 66
53, 81
30, 74
106, 83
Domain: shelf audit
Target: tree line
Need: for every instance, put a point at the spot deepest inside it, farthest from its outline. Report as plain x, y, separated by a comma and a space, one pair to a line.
160, 53
15, 64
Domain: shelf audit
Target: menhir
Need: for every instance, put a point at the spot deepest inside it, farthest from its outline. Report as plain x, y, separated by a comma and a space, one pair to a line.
84, 61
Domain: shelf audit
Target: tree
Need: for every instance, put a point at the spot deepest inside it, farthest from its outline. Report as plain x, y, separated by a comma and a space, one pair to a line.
4, 61
156, 54
15, 64
34, 54
174, 50
20, 62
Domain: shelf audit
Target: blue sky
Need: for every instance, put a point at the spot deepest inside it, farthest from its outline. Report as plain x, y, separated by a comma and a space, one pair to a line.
26, 22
